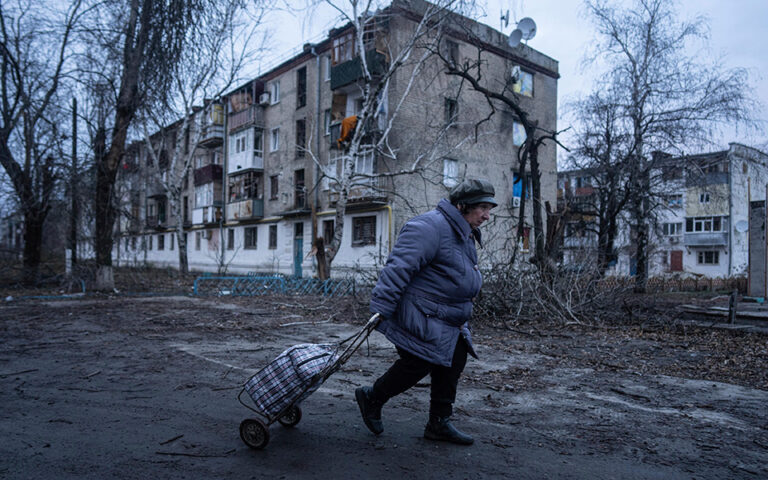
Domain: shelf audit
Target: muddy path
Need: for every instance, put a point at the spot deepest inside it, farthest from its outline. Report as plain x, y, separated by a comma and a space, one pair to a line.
146, 388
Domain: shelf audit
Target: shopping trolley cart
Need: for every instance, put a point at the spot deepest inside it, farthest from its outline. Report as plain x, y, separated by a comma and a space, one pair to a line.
277, 389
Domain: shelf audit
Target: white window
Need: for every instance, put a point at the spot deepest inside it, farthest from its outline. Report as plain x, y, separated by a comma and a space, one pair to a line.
364, 163
327, 121
330, 173
204, 195
705, 224
518, 134
450, 172
258, 147
274, 140
327, 67
672, 228
274, 92
704, 198
709, 257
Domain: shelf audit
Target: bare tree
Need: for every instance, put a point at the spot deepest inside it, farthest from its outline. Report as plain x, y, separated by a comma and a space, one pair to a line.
140, 43
601, 152
31, 79
211, 61
667, 99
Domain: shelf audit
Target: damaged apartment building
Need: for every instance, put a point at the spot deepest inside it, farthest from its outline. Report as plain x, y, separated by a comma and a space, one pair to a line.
269, 156
704, 223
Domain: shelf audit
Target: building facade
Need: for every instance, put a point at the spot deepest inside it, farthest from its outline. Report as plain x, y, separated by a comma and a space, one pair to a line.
702, 222
264, 179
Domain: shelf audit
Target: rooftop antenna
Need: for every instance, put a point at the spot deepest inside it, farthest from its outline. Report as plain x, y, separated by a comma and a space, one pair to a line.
504, 20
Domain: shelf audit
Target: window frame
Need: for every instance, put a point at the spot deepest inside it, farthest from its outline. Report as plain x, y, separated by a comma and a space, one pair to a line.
714, 257
274, 139
273, 237
517, 130
251, 238
449, 180
359, 237
301, 87
274, 187
274, 92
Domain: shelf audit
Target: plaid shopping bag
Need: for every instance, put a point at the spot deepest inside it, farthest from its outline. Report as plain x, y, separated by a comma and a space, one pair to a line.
289, 378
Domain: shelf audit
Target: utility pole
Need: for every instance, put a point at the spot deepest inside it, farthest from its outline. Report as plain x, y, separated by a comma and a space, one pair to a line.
73, 189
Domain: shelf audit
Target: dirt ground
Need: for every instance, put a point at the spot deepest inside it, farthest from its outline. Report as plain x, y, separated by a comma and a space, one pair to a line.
146, 387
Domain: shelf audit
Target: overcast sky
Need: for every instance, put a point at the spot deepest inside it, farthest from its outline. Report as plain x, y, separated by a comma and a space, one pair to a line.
739, 34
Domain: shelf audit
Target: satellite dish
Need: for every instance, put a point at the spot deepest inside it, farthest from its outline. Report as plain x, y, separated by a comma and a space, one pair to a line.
528, 27
742, 226
514, 38
504, 19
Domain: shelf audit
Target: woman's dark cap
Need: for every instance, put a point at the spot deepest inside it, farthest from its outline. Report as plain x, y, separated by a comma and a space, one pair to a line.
473, 191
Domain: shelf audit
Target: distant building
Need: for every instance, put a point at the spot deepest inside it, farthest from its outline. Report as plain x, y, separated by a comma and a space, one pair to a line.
11, 235
702, 226
258, 182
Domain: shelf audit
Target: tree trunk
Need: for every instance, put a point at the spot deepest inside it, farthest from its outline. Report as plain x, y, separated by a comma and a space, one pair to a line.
538, 224
181, 242
106, 171
33, 242
323, 270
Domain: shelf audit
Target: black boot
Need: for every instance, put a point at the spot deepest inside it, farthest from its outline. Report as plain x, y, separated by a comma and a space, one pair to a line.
441, 428
369, 409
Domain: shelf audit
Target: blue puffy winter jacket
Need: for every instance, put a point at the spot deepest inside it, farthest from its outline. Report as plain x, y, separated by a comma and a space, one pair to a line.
425, 291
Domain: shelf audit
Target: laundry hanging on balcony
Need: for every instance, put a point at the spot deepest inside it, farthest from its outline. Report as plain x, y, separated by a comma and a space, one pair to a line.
347, 129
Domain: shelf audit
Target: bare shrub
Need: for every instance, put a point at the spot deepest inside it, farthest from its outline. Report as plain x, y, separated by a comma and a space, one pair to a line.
523, 293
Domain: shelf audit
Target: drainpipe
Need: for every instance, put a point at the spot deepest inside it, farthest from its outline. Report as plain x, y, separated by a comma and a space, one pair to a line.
318, 127
730, 216
224, 160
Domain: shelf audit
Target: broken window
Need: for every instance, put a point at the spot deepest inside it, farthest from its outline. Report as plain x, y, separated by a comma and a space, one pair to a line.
364, 231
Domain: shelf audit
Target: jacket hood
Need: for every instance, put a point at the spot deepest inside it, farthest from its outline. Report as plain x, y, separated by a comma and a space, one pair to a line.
457, 221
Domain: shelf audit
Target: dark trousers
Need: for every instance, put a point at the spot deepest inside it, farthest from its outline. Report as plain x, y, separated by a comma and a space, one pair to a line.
409, 369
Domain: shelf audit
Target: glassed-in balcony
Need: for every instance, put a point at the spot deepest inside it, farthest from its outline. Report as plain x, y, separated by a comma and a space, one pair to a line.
706, 239
204, 215
207, 174
351, 71
212, 135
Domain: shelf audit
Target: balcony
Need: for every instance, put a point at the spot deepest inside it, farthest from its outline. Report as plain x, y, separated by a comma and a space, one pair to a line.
204, 215
352, 70
211, 136
250, 116
155, 188
157, 222
705, 179
583, 191
244, 161
359, 194
706, 239
207, 174
250, 209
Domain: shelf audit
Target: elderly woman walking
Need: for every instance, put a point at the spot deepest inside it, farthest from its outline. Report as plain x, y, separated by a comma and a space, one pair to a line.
424, 295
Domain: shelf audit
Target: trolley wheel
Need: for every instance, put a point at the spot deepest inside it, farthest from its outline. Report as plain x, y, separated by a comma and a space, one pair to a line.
254, 433
291, 418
